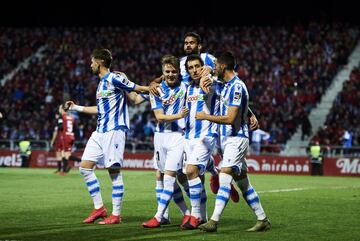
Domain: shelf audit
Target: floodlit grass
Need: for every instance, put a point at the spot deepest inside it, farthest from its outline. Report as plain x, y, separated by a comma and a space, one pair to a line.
39, 205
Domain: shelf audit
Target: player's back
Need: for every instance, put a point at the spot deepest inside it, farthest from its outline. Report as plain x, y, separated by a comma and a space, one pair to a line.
68, 124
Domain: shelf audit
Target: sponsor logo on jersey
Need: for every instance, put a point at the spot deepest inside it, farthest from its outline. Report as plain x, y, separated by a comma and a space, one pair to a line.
199, 97
173, 98
103, 94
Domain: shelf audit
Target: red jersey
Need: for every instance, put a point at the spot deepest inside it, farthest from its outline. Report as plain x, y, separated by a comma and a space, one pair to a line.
66, 125
65, 133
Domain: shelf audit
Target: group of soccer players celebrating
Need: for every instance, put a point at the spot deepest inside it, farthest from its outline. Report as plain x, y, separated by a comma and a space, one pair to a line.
200, 104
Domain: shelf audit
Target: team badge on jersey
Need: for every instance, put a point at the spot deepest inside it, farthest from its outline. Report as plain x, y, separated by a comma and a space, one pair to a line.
237, 95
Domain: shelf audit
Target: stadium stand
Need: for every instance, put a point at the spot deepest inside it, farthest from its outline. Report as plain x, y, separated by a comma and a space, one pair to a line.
286, 68
343, 117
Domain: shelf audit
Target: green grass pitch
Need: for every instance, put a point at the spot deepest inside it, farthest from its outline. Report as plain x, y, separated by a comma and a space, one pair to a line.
39, 205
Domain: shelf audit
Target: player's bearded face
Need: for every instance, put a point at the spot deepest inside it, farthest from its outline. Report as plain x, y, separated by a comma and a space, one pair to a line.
191, 46
95, 66
219, 70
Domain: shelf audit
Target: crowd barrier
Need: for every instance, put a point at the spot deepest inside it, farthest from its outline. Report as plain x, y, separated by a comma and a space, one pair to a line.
256, 164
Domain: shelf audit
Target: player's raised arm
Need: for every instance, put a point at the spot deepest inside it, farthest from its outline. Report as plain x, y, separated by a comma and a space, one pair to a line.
136, 98
254, 123
154, 84
70, 105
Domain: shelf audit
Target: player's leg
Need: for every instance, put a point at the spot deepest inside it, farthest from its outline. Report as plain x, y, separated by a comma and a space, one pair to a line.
59, 161
159, 189
235, 150
198, 153
93, 186
113, 144
252, 199
116, 195
92, 154
203, 210
173, 167
66, 167
179, 200
182, 179
172, 152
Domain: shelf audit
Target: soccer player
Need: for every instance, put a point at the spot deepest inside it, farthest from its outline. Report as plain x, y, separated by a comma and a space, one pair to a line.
63, 140
106, 144
200, 137
234, 143
169, 111
192, 45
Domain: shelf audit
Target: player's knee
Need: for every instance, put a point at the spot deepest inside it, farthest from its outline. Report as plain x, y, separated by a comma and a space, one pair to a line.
85, 171
192, 171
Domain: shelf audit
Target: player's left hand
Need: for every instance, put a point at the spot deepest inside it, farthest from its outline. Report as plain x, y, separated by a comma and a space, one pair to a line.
205, 83
200, 115
205, 71
254, 123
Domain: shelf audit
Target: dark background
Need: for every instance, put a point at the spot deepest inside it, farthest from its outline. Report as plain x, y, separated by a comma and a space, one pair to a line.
185, 12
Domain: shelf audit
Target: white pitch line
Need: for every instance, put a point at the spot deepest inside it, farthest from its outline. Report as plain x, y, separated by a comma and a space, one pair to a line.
286, 190
304, 188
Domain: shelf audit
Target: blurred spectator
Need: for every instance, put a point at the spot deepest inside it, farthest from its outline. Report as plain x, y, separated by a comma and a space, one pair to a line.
305, 126
347, 141
258, 136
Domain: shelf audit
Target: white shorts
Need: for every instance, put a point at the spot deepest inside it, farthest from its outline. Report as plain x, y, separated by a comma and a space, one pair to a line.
234, 151
168, 151
105, 148
198, 152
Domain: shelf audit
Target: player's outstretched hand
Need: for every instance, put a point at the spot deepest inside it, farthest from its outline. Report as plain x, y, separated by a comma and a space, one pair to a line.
184, 111
68, 105
200, 115
153, 88
254, 123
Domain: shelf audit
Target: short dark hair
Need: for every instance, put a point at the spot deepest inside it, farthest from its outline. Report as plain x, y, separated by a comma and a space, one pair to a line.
228, 59
172, 60
194, 35
193, 57
104, 55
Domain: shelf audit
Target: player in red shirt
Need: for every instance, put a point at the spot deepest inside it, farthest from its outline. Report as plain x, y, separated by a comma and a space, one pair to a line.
63, 140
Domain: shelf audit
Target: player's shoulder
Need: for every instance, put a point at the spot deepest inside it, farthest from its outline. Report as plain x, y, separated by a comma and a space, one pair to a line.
119, 74
207, 55
183, 58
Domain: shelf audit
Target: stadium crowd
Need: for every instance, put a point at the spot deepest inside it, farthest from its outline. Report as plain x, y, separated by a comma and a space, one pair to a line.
286, 69
343, 116
18, 44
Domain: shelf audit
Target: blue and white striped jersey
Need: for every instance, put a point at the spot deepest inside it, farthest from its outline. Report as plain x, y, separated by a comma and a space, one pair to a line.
111, 102
196, 101
171, 100
235, 93
206, 57
145, 96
